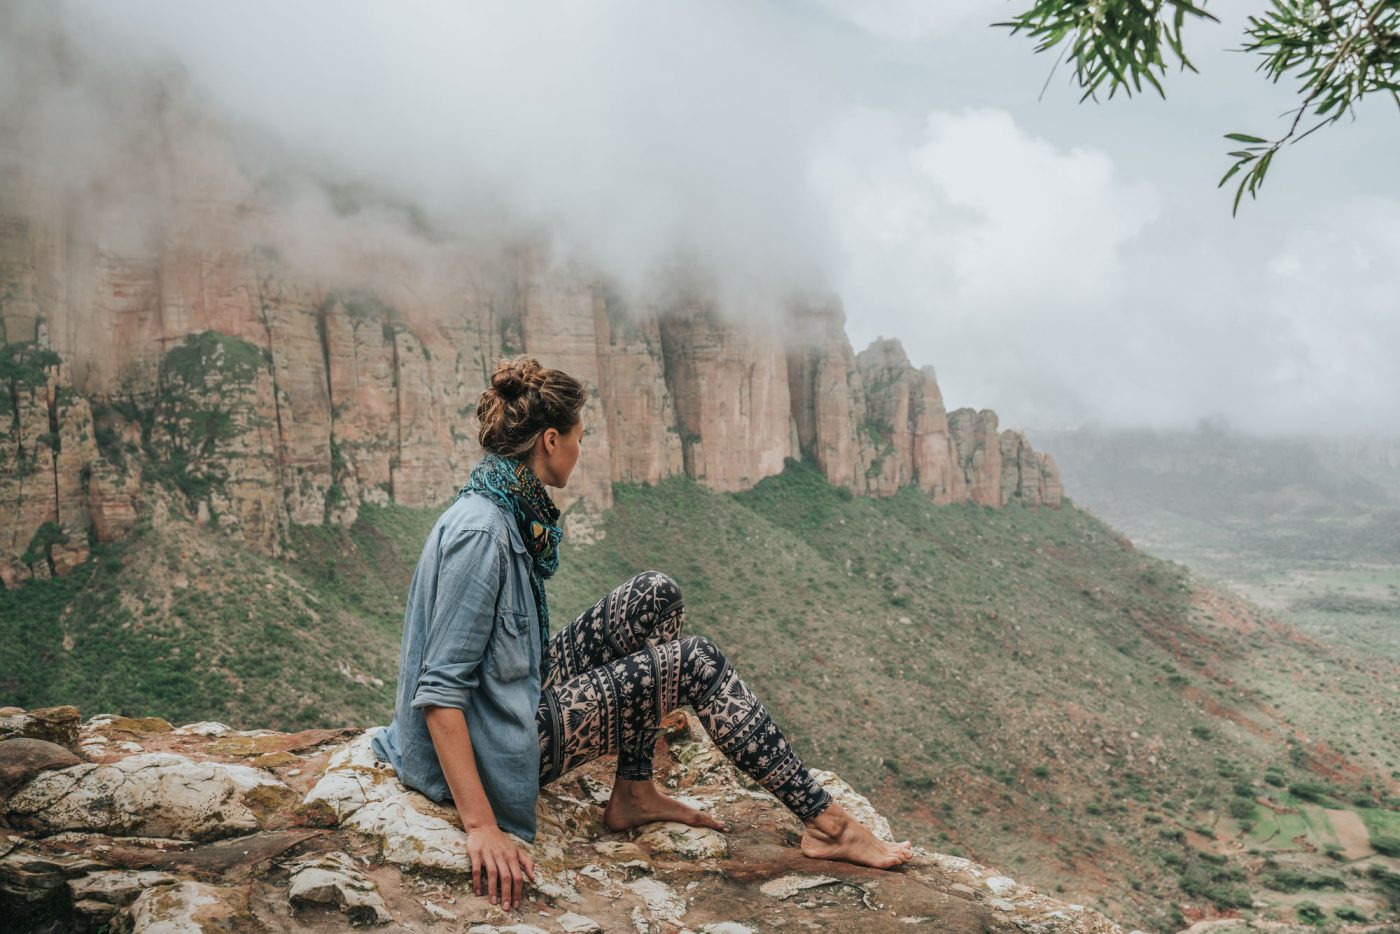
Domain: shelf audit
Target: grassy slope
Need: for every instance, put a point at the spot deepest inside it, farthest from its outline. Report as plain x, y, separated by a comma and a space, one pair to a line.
980, 672
186, 624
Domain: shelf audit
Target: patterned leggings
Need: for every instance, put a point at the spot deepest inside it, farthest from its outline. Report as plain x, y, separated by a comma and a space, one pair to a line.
620, 667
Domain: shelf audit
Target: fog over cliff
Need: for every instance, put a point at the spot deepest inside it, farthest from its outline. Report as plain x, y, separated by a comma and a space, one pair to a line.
1060, 263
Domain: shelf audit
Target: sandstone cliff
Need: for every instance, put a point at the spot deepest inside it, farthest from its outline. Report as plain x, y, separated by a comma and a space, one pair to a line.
211, 352
130, 824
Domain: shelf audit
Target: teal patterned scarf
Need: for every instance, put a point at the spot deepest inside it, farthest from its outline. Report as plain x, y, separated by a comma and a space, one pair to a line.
512, 484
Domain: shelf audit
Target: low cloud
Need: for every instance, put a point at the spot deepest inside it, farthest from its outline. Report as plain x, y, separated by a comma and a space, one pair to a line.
1058, 263
630, 136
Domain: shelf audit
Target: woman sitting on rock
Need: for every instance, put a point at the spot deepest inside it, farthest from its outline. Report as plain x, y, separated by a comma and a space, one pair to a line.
490, 706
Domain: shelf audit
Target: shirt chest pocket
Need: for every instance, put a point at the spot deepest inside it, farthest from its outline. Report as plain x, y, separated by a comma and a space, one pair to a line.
510, 647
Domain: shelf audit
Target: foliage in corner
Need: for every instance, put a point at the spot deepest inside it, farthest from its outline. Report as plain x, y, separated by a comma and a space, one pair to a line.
1339, 50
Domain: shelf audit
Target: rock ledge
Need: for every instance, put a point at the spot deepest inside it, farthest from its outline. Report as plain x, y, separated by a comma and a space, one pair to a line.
177, 830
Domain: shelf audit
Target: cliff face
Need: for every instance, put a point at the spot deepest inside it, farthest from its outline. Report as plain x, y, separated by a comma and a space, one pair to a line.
202, 354
130, 824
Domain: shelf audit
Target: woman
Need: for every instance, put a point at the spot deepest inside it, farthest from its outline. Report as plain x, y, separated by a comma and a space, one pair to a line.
490, 707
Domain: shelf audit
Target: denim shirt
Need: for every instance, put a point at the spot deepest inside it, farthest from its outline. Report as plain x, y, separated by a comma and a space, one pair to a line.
471, 640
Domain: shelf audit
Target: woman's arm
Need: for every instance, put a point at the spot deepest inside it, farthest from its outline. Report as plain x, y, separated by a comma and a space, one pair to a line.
489, 848
468, 583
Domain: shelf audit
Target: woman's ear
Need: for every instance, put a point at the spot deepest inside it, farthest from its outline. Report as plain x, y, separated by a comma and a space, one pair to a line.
551, 440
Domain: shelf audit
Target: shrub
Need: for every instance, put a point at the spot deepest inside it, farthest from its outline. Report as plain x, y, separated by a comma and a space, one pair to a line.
1293, 880
1388, 881
1222, 885
1311, 913
1389, 844
1242, 808
1348, 913
1309, 791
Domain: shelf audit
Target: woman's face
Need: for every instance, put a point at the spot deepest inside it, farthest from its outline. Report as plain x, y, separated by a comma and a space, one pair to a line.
557, 454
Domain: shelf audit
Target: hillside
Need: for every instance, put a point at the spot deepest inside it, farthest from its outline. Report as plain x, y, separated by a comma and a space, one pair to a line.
1019, 686
1306, 527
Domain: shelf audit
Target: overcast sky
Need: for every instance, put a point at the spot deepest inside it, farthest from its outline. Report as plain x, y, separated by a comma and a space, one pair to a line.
1058, 262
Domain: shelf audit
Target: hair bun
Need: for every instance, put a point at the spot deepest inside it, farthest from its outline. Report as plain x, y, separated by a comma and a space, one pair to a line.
523, 400
513, 378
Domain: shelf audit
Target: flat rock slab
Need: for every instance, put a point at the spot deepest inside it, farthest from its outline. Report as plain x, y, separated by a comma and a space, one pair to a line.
261, 744
150, 794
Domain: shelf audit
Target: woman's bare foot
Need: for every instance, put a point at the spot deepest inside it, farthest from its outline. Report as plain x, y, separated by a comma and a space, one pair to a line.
635, 803
835, 834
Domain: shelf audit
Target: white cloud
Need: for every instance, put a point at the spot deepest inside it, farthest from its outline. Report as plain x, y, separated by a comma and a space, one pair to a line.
1038, 220
970, 226
1333, 298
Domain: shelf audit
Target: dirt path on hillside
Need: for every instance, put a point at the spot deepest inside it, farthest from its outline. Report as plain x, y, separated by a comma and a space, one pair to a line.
1351, 833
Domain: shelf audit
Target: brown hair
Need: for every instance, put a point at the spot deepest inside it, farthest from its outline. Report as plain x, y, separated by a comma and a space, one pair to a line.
522, 401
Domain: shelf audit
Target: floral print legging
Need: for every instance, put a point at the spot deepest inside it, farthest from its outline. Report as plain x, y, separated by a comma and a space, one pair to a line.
620, 667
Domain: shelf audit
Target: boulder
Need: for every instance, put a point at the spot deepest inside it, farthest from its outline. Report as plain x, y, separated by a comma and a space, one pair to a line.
190, 907
332, 879
58, 725
21, 759
101, 896
148, 794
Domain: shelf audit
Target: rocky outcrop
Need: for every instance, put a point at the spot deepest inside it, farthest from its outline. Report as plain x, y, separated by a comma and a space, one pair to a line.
203, 346
1026, 475
733, 408
639, 409
201, 828
828, 395
47, 434
978, 448
910, 426
873, 423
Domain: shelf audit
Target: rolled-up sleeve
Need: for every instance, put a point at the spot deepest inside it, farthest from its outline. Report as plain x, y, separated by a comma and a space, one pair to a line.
464, 611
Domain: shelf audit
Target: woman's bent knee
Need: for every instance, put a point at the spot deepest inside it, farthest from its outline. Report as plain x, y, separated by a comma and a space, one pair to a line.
665, 589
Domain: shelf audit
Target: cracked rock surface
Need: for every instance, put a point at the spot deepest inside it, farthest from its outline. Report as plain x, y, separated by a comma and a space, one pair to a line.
166, 830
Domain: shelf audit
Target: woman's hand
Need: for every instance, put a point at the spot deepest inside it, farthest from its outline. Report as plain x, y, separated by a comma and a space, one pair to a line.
496, 857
